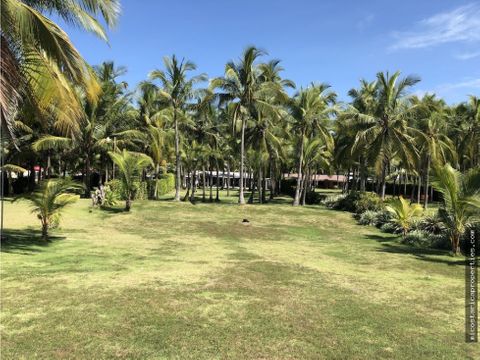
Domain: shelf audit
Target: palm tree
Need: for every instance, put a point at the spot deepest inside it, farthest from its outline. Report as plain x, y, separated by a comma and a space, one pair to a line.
40, 66
387, 134
50, 198
176, 91
404, 213
309, 110
461, 200
241, 85
433, 143
130, 165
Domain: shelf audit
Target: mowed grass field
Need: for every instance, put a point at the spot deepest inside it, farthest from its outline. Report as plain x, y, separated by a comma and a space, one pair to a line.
176, 280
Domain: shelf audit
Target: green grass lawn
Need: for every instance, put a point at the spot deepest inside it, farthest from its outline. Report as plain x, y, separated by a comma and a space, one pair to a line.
192, 281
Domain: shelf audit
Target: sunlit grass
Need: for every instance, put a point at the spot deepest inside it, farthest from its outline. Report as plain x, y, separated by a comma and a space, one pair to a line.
192, 281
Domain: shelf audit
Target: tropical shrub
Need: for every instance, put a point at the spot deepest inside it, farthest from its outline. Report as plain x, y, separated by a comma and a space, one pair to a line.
50, 198
424, 239
432, 224
368, 218
403, 213
130, 165
332, 201
368, 201
390, 227
461, 196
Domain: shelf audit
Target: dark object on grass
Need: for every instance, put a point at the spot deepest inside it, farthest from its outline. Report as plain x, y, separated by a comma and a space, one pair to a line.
245, 221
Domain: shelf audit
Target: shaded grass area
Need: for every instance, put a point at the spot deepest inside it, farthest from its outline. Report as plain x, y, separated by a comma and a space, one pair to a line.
192, 281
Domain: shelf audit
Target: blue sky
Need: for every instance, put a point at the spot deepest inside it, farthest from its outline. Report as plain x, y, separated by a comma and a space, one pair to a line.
338, 42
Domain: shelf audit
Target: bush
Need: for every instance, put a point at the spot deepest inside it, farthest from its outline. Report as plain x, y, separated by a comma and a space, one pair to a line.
116, 187
368, 218
355, 201
368, 202
332, 201
390, 227
423, 239
382, 217
110, 197
164, 185
313, 198
432, 224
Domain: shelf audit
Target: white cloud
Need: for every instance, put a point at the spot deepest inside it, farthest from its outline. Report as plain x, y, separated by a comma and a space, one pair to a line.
467, 55
365, 21
459, 25
453, 91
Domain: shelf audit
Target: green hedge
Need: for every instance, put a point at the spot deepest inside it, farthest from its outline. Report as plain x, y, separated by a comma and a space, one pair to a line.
164, 185
116, 186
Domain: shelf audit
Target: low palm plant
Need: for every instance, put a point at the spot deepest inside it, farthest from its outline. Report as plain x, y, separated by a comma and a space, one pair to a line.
404, 213
50, 198
461, 197
130, 165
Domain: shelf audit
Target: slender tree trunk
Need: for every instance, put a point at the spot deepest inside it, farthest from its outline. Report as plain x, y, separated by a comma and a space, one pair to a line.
217, 196
188, 180
272, 180
419, 188
426, 182
363, 175
384, 178
194, 185
177, 157
260, 185
210, 183
296, 200
87, 176
204, 183
305, 186
228, 179
252, 193
455, 239
241, 199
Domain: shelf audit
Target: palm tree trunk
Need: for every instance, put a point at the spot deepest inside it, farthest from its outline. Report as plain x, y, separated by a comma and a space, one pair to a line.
204, 183
228, 179
241, 199
194, 186
252, 193
210, 183
128, 202
260, 185
45, 229
217, 196
272, 180
419, 188
427, 172
363, 177
177, 157
188, 180
384, 178
296, 201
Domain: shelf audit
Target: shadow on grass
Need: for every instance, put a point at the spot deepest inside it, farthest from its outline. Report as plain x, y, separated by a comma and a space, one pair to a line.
391, 245
26, 241
113, 210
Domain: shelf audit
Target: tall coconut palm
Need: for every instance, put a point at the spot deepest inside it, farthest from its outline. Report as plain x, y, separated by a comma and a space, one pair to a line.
50, 198
461, 200
177, 90
241, 85
388, 134
433, 143
309, 110
130, 165
40, 65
